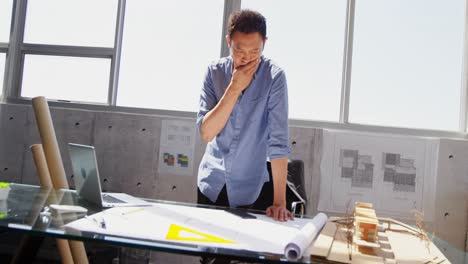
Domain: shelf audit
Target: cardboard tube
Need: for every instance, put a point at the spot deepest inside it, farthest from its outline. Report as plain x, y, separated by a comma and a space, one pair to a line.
44, 180
49, 143
64, 251
41, 165
55, 163
78, 251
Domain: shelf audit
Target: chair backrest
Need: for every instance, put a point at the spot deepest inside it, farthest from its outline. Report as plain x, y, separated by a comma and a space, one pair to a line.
295, 191
296, 176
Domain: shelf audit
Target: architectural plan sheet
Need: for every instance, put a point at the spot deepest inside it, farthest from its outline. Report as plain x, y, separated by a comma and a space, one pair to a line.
177, 147
200, 226
395, 173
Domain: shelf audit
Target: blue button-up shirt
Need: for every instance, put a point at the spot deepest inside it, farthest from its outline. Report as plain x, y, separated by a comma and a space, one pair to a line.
256, 130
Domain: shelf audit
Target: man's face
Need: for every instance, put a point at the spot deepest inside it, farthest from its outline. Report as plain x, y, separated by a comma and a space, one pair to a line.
245, 47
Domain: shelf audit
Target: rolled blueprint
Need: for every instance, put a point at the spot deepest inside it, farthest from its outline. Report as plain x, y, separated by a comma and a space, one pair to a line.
298, 245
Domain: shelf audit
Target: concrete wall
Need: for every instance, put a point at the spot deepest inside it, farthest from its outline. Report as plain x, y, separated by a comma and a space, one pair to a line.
127, 148
451, 206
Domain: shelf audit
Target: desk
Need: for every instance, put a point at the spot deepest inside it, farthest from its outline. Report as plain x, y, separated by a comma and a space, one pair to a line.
23, 213
25, 203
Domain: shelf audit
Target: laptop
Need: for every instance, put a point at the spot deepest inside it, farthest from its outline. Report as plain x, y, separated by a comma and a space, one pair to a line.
88, 184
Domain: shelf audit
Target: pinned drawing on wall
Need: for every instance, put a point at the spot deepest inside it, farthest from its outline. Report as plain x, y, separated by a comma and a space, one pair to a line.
395, 173
177, 147
399, 171
358, 168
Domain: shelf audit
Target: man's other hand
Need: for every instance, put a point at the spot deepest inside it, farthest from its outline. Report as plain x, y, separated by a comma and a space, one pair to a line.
279, 213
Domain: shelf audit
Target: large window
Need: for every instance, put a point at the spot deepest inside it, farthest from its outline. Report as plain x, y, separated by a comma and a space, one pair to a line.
306, 39
78, 65
76, 23
5, 23
407, 63
404, 59
5, 19
167, 46
70, 78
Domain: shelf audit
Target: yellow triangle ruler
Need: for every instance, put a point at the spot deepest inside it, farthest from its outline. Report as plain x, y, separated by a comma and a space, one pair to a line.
174, 233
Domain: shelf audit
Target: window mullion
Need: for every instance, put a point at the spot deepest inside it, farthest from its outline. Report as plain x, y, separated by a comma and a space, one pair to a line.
347, 62
464, 82
229, 7
14, 61
63, 50
3, 47
117, 51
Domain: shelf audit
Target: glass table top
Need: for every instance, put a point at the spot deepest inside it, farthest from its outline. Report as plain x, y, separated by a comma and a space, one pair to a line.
27, 208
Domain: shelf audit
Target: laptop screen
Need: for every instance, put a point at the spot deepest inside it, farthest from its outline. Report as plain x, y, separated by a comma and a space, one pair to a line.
85, 171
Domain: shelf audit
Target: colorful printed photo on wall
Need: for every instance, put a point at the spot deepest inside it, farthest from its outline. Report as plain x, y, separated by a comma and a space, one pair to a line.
183, 160
168, 159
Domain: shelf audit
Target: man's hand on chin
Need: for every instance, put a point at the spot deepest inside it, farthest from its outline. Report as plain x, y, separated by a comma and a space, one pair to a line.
279, 213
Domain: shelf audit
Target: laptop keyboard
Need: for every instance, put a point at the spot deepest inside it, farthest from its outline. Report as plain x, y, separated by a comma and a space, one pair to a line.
109, 199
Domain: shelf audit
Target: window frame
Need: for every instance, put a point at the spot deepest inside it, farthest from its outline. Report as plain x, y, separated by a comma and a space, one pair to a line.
463, 115
3, 50
17, 49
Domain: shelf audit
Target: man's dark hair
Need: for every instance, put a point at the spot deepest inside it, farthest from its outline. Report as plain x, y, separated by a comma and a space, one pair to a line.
247, 21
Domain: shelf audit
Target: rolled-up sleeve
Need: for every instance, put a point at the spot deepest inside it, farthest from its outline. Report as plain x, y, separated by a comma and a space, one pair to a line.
278, 133
207, 98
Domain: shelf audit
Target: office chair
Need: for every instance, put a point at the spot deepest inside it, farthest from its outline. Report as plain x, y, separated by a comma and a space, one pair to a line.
296, 197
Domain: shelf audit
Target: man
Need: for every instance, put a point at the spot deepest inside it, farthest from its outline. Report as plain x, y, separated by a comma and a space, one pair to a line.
243, 116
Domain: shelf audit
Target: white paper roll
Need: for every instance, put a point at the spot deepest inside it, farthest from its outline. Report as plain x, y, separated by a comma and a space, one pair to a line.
298, 245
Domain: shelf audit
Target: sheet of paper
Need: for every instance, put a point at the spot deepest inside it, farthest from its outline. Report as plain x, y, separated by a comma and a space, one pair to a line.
395, 173
176, 147
194, 226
